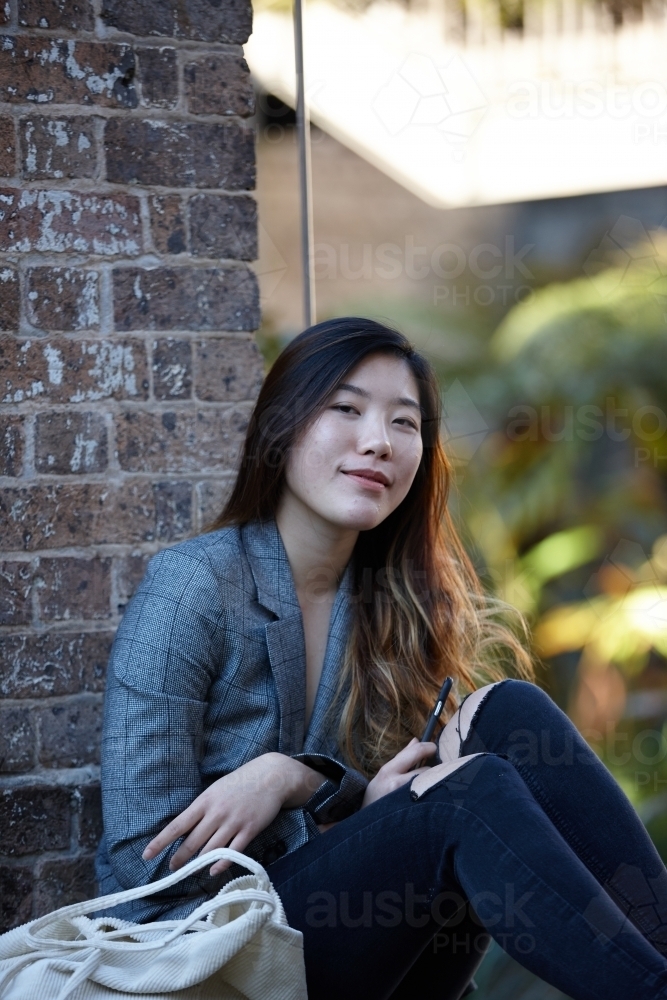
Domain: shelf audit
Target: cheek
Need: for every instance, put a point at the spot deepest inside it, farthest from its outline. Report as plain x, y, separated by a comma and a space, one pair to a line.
408, 465
309, 463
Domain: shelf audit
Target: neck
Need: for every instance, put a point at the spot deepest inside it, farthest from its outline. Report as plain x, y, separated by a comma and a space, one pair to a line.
318, 551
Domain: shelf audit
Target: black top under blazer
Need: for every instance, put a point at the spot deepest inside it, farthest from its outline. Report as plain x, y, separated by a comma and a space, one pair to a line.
208, 671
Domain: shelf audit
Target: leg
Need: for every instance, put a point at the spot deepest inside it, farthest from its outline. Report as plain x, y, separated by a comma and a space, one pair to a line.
371, 893
575, 790
448, 962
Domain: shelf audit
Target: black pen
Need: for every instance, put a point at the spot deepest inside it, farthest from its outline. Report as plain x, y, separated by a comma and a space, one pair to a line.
437, 711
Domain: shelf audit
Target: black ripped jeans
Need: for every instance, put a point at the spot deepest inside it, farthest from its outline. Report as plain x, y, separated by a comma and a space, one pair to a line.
532, 843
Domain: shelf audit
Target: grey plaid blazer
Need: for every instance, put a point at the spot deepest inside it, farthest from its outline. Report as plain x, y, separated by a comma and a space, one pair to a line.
207, 671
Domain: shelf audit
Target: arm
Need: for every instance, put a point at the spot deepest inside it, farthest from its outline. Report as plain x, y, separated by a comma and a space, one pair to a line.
167, 653
235, 808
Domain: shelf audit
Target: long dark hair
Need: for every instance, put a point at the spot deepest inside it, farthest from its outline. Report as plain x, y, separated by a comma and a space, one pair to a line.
419, 611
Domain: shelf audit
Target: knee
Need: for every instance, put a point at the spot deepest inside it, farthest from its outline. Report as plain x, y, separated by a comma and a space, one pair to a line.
522, 694
480, 773
456, 731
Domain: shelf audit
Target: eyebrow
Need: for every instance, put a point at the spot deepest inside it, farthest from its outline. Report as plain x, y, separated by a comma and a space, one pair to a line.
399, 401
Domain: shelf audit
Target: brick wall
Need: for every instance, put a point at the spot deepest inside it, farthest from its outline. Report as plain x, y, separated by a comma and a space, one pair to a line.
127, 368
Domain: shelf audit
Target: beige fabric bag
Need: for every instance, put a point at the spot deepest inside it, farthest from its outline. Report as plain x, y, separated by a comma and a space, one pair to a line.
237, 946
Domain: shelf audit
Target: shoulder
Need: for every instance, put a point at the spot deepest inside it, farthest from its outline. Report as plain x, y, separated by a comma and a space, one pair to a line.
218, 552
205, 572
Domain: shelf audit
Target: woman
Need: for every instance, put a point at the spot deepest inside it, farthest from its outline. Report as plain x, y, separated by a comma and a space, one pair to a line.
269, 682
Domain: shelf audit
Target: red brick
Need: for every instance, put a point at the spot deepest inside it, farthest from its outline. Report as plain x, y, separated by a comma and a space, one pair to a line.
223, 226
7, 147
15, 896
220, 437
11, 445
167, 224
57, 147
72, 371
9, 295
15, 591
202, 20
173, 510
186, 298
51, 71
219, 84
70, 588
156, 442
63, 298
34, 818
180, 154
17, 740
53, 663
70, 733
89, 801
63, 881
53, 516
228, 370
130, 572
67, 443
73, 15
158, 76
172, 369
180, 440
69, 221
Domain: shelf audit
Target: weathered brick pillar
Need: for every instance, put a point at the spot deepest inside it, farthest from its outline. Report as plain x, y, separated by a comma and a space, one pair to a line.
127, 368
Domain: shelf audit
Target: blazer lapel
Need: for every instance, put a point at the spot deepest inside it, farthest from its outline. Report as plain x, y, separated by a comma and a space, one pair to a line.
284, 637
320, 737
286, 644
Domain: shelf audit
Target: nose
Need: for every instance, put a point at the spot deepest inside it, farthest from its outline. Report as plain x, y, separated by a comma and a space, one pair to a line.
374, 438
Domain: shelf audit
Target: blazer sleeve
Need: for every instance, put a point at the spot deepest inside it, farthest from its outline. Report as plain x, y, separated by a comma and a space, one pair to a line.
162, 663
339, 795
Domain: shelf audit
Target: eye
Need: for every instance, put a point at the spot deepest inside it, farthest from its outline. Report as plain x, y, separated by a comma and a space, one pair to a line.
406, 422
345, 408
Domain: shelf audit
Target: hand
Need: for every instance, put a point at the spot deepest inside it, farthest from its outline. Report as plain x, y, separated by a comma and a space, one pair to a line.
235, 808
399, 770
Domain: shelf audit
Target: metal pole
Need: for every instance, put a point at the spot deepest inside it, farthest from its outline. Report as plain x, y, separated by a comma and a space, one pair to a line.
305, 183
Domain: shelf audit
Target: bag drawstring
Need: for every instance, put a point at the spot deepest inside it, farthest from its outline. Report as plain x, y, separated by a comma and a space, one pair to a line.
91, 946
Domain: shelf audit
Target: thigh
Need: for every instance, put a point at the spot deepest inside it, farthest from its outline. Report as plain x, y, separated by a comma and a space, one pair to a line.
369, 896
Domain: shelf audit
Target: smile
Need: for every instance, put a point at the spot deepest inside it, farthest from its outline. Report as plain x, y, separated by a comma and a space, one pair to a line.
368, 478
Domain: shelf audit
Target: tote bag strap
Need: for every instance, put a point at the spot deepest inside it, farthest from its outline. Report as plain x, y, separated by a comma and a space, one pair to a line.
141, 891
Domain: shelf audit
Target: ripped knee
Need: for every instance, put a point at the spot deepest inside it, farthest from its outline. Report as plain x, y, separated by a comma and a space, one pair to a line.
455, 732
422, 782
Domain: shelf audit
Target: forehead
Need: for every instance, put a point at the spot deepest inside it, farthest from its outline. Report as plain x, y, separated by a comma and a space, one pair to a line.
384, 375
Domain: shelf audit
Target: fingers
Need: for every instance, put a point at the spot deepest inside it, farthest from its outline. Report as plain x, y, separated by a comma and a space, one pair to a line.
239, 843
208, 830
178, 827
410, 756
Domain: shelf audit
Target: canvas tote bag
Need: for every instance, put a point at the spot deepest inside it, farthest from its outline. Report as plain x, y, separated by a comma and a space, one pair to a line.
236, 946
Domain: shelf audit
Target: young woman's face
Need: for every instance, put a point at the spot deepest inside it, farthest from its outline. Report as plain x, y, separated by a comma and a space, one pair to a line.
356, 462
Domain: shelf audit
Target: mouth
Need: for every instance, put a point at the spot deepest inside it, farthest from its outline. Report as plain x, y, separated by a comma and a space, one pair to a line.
370, 479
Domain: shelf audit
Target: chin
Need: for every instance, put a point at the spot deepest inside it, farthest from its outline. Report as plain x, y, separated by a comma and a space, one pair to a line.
359, 520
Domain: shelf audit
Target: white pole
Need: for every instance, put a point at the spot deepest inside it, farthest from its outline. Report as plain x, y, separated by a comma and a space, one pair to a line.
305, 183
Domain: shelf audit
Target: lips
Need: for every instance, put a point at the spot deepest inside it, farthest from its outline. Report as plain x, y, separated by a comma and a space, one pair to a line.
368, 477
